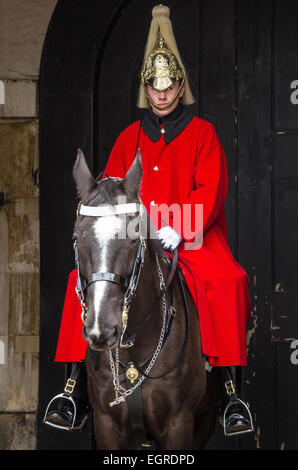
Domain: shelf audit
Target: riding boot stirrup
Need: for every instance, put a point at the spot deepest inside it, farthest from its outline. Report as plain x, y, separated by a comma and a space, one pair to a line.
237, 418
62, 411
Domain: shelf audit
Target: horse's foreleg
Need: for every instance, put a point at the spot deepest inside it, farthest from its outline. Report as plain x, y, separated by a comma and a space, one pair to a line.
179, 432
108, 434
204, 427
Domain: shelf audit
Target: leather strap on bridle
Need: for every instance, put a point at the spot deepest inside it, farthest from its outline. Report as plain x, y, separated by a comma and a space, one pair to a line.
156, 303
112, 277
128, 284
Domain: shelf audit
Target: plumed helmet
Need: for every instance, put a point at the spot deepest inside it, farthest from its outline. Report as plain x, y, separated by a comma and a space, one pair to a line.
161, 68
162, 64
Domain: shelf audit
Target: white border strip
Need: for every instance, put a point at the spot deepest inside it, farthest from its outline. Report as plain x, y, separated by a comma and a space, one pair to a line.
109, 210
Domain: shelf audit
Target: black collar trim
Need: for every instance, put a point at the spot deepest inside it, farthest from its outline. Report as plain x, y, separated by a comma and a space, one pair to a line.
173, 123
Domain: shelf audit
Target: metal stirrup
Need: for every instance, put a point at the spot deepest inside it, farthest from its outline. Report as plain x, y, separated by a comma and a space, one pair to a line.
57, 426
66, 395
234, 402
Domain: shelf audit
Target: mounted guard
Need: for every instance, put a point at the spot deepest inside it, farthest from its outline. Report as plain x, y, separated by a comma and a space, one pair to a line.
184, 166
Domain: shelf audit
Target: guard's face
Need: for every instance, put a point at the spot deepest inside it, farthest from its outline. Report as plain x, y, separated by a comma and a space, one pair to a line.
163, 98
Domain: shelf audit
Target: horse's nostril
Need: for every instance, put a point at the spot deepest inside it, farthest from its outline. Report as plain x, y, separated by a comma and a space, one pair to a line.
111, 340
104, 338
109, 333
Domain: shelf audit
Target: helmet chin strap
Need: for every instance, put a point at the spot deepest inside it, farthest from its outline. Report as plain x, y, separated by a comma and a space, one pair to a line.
170, 103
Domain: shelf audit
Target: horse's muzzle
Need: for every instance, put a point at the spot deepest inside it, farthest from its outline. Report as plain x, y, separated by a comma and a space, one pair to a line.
103, 340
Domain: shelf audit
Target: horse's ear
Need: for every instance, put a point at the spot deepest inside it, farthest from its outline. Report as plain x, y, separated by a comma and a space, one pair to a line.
132, 181
84, 180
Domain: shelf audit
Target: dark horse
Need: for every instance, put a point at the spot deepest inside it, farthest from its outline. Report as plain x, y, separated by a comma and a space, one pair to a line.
179, 397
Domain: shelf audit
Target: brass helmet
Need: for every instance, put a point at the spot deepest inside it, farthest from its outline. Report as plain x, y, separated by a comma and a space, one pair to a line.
162, 64
161, 68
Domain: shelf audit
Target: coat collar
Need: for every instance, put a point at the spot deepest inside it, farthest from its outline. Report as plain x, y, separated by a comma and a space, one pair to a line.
173, 123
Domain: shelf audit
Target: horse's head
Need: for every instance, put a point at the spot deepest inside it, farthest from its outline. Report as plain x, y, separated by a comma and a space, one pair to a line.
104, 248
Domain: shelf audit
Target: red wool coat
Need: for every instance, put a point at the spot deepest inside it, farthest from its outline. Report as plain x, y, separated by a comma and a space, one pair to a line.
190, 169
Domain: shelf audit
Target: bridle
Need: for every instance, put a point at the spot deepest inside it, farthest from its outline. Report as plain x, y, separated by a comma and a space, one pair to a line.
131, 283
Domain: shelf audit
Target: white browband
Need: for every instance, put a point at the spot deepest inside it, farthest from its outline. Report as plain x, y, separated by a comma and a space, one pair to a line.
109, 210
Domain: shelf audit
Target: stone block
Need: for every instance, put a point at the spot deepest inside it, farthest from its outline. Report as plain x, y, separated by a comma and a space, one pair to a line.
18, 431
19, 279
24, 304
27, 207
3, 241
19, 159
3, 350
23, 245
26, 344
4, 277
2, 92
19, 378
23, 26
19, 99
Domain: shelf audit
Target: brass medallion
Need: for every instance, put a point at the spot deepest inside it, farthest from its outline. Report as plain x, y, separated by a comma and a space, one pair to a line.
132, 374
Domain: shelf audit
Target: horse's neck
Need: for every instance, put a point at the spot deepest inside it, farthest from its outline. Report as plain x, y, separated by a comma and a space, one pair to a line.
148, 287
147, 294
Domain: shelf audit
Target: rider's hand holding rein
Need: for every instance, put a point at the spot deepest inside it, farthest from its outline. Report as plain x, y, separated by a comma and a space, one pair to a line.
168, 237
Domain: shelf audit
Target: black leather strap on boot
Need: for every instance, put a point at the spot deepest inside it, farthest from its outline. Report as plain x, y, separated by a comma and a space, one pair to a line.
69, 410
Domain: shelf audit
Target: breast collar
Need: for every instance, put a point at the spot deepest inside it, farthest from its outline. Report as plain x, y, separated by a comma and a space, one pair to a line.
172, 124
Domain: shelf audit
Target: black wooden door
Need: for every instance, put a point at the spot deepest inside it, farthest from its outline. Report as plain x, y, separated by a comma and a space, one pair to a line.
242, 61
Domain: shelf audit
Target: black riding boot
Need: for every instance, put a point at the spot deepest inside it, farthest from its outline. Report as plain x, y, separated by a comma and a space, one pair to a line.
69, 410
236, 418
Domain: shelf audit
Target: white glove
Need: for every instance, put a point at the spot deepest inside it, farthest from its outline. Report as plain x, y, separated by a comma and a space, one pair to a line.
168, 237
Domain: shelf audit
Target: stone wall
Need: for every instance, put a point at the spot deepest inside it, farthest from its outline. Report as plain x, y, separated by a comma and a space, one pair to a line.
23, 25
